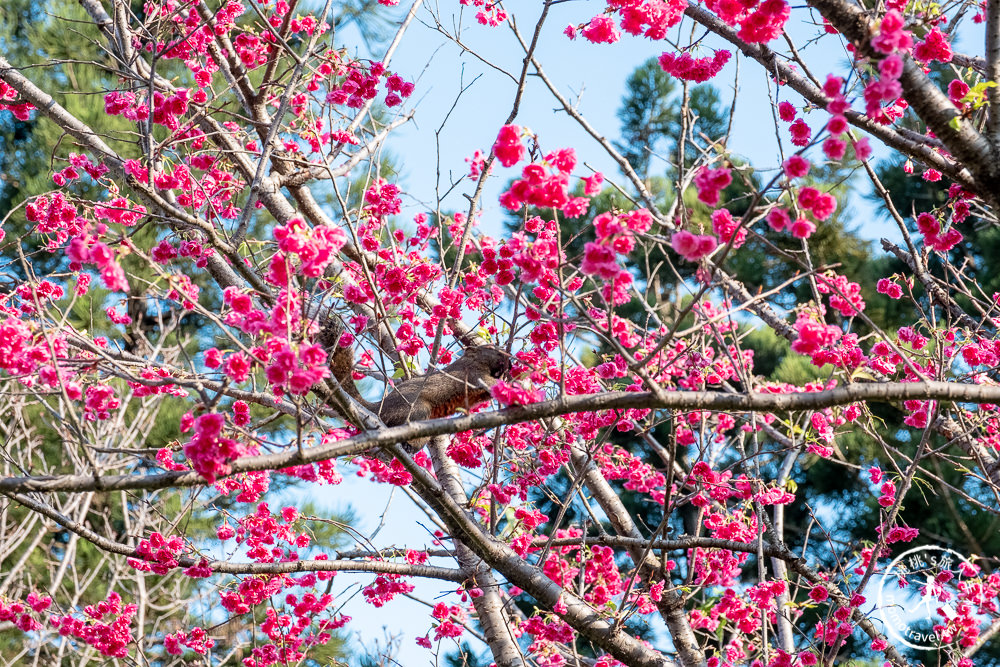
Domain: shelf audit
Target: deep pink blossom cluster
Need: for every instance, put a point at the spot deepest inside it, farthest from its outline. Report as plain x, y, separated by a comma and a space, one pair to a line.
727, 229
450, 621
385, 588
195, 639
899, 534
692, 247
957, 92
779, 220
389, 473
649, 18
845, 295
759, 21
382, 199
813, 334
100, 401
545, 185
821, 204
889, 287
835, 145
977, 595
509, 149
21, 110
892, 40
55, 215
601, 30
301, 621
490, 14
71, 172
796, 167
107, 626
934, 47
158, 554
21, 614
295, 371
86, 249
313, 248
930, 227
262, 532
209, 452
22, 351
359, 83
536, 260
698, 70
477, 163
721, 567
801, 132
711, 182
615, 240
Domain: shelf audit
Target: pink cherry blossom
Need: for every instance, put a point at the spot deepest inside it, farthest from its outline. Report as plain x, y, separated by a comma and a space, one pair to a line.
692, 247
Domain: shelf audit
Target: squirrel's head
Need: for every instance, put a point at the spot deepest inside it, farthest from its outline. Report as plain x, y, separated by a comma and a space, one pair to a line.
487, 362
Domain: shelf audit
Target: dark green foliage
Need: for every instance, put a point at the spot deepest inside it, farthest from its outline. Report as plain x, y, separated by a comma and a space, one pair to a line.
467, 657
651, 118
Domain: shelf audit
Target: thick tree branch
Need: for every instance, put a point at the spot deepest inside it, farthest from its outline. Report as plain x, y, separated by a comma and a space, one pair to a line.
993, 72
617, 400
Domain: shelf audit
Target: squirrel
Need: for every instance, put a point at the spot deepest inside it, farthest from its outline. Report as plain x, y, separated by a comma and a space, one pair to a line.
462, 384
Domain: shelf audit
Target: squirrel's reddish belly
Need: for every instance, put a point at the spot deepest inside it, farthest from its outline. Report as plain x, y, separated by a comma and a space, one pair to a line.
464, 400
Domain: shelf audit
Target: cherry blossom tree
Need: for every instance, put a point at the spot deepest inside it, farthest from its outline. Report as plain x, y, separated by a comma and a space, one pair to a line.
245, 194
